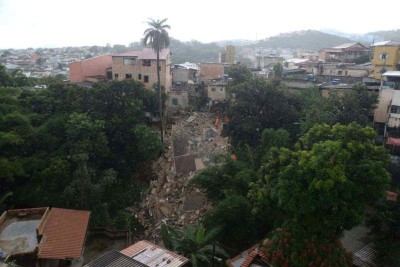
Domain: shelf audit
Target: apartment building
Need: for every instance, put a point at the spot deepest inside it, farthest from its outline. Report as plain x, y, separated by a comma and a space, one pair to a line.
141, 65
386, 58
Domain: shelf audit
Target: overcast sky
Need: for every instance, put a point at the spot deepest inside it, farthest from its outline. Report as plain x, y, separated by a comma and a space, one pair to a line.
60, 23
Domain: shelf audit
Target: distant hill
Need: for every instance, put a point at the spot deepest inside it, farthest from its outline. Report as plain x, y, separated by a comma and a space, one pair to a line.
194, 51
370, 37
393, 35
309, 40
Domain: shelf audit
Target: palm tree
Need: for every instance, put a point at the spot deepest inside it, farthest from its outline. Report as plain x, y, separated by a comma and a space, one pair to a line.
157, 38
193, 242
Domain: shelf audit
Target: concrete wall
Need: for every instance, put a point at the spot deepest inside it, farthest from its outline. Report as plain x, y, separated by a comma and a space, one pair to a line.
210, 71
216, 92
138, 69
97, 66
390, 64
180, 75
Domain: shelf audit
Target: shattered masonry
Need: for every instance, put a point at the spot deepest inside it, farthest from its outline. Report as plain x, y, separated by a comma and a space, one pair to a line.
192, 144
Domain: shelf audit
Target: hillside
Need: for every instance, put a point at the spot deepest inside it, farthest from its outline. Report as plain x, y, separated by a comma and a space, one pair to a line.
393, 35
370, 37
310, 40
194, 51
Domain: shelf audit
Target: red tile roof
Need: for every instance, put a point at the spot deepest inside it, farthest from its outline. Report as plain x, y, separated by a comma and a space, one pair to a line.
64, 234
145, 53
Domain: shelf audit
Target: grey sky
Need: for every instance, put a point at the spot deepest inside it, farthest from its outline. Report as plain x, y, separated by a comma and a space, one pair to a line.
58, 23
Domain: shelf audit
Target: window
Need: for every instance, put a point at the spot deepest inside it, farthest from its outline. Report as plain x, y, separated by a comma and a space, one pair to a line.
129, 61
174, 101
213, 89
139, 76
146, 62
384, 56
128, 76
146, 78
221, 89
339, 72
115, 76
395, 109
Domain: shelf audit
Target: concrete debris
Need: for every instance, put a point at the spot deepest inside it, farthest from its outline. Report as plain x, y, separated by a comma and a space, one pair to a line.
191, 144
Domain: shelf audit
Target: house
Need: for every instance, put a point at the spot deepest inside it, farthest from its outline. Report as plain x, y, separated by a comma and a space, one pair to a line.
141, 65
252, 257
140, 254
44, 237
92, 69
211, 71
177, 100
386, 57
216, 92
344, 53
115, 258
268, 61
387, 112
184, 74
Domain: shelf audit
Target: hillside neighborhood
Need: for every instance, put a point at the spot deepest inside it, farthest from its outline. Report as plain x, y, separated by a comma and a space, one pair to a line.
265, 156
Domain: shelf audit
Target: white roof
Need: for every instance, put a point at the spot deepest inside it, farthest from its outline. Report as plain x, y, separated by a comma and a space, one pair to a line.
297, 60
392, 73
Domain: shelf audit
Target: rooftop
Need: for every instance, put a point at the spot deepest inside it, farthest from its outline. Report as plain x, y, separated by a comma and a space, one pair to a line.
114, 258
64, 234
386, 43
145, 53
152, 255
18, 230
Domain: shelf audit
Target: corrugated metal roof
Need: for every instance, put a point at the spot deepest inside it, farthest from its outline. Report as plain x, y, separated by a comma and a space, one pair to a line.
153, 255
392, 73
346, 45
64, 234
386, 43
115, 259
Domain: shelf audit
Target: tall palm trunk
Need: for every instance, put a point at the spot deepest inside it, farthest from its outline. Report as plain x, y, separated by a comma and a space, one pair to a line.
160, 96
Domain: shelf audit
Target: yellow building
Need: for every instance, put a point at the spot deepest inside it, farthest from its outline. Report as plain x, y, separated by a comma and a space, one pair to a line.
386, 58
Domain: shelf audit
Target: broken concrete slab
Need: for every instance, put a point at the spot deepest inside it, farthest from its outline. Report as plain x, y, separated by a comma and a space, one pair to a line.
199, 164
185, 164
193, 202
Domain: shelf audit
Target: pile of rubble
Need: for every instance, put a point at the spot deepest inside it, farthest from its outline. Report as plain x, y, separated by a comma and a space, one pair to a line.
193, 142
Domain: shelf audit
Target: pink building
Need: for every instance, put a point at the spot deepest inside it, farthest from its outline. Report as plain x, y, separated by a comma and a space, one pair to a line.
92, 69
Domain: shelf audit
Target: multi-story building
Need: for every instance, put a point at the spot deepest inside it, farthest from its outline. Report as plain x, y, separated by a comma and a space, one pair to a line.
344, 53
227, 56
387, 112
92, 69
211, 71
386, 57
141, 65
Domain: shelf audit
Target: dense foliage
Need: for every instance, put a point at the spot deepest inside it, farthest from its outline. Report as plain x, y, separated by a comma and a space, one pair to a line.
75, 147
305, 166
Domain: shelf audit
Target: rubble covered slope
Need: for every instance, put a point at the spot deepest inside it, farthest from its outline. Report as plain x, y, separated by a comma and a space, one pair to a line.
193, 142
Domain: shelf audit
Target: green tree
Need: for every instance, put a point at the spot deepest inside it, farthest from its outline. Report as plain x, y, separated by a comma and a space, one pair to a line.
385, 231
233, 215
323, 186
258, 105
194, 242
157, 38
355, 105
278, 71
239, 74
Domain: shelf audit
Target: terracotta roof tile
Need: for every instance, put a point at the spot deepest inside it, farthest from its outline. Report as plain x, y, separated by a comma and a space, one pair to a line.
64, 234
